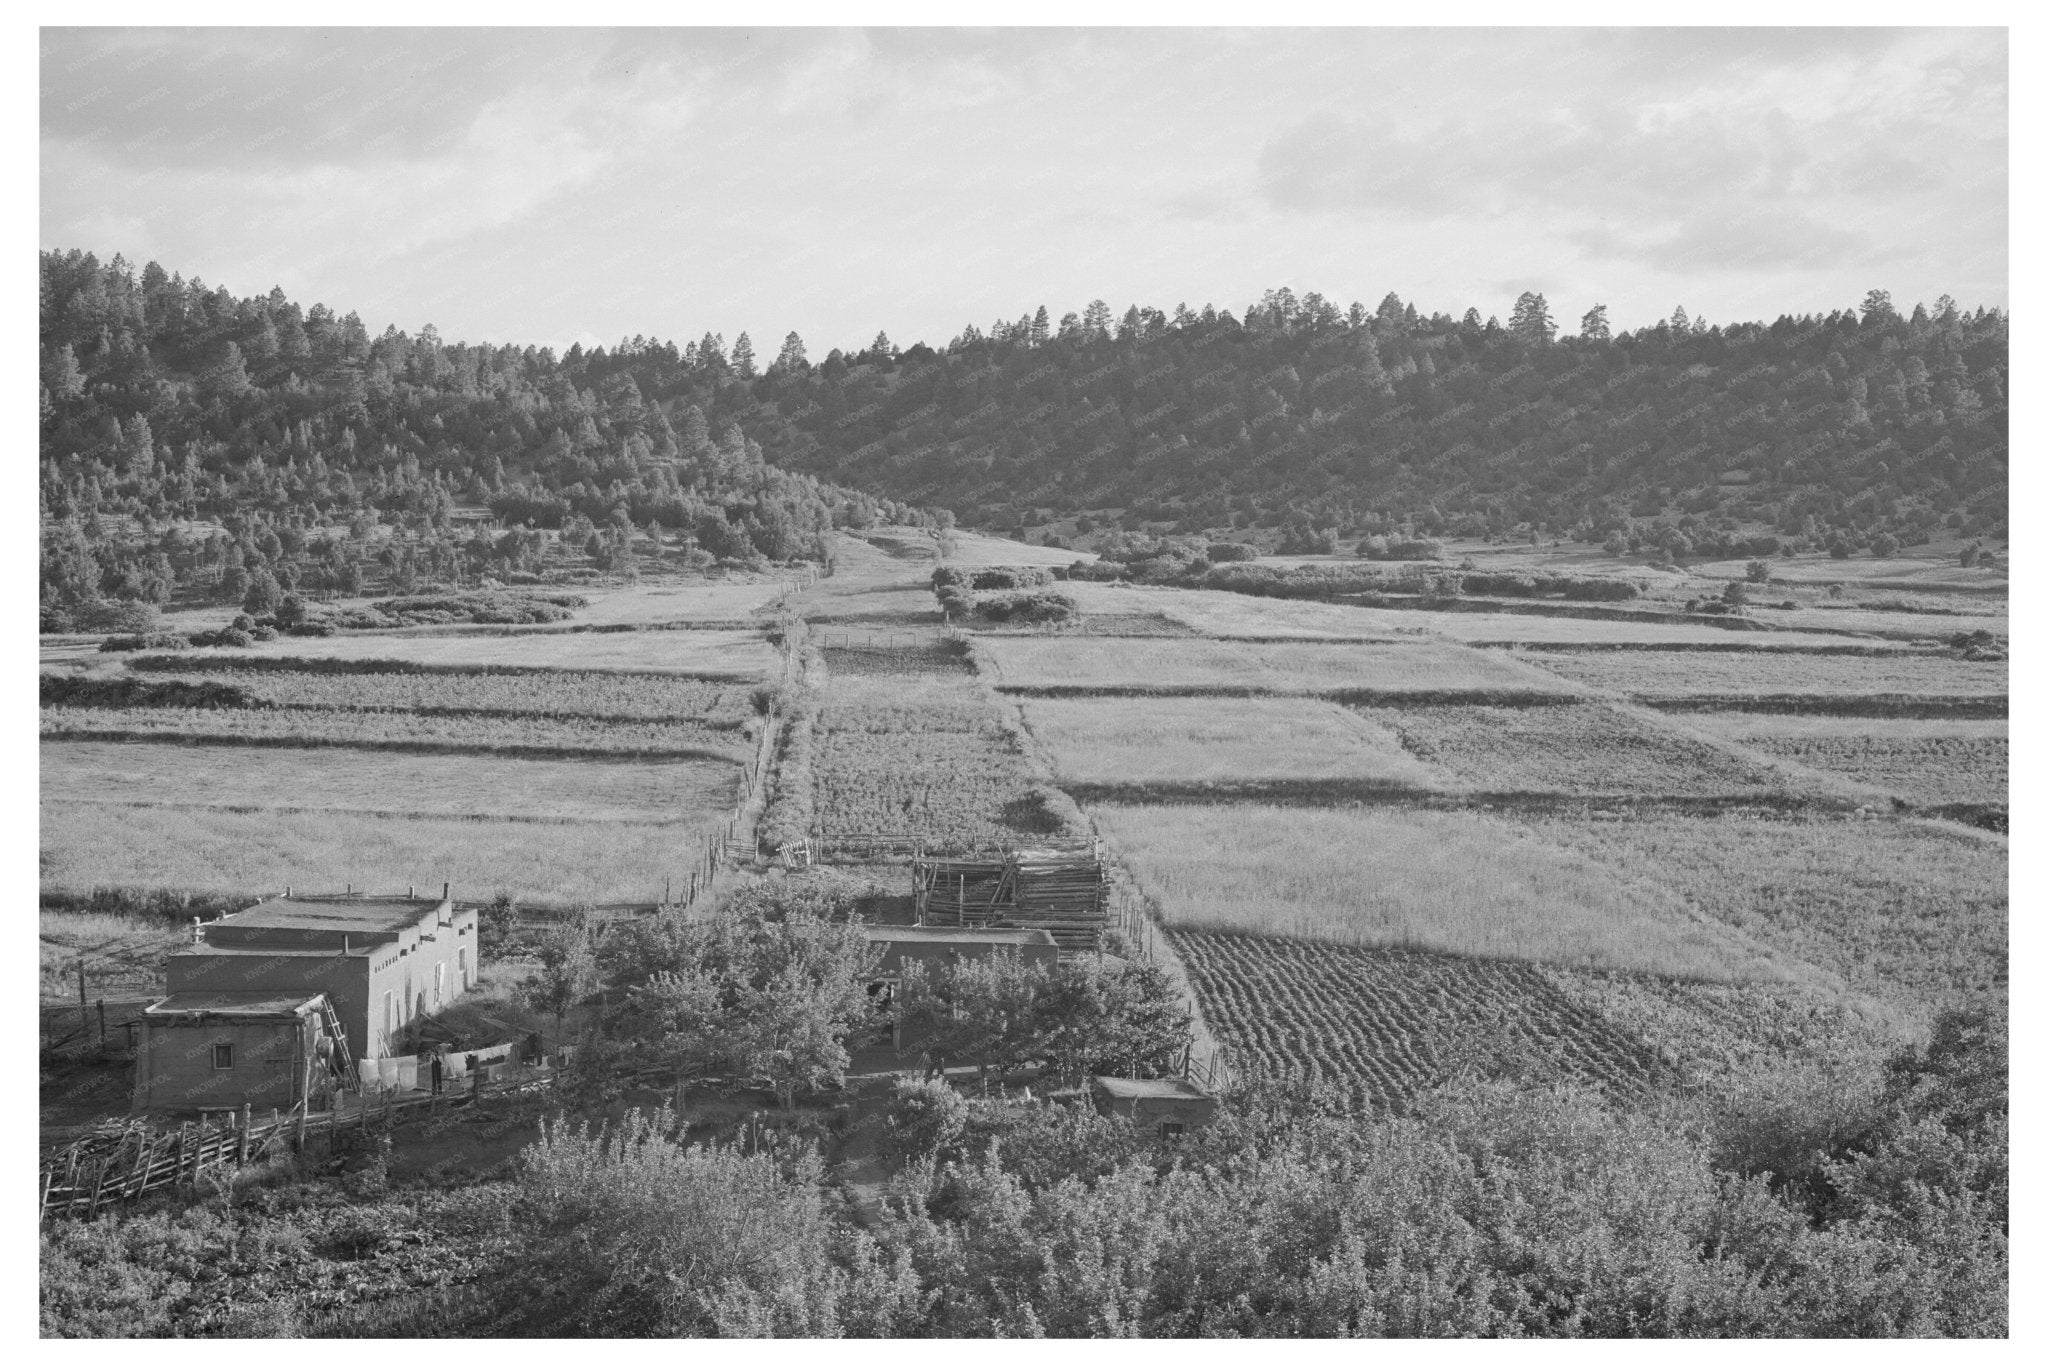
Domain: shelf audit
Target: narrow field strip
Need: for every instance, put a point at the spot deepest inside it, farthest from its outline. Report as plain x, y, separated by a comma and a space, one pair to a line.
1132, 742
236, 809
1877, 705
1324, 792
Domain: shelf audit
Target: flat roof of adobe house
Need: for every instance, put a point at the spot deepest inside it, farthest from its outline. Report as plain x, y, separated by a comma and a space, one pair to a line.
1167, 1088
312, 919
245, 1004
911, 933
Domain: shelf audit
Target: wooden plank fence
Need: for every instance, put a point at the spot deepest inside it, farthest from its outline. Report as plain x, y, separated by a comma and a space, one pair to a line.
126, 1159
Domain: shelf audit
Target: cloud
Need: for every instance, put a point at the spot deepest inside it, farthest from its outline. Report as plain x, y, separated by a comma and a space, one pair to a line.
1758, 240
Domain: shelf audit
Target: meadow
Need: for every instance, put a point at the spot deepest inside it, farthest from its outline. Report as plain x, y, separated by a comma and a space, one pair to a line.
1130, 741
255, 853
1928, 762
1458, 882
1658, 675
289, 779
1590, 749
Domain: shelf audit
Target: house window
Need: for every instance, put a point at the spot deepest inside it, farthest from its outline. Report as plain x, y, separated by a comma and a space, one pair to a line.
1171, 1130
462, 966
223, 1056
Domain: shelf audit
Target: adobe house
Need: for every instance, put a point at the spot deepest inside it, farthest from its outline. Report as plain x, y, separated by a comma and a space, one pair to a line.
903, 944
377, 962
1166, 1107
219, 1050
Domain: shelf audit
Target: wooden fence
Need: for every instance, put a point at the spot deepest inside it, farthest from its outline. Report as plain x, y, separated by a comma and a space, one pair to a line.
126, 1159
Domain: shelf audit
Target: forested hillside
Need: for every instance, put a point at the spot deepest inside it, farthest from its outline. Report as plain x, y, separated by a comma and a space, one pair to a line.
166, 403
1861, 422
193, 442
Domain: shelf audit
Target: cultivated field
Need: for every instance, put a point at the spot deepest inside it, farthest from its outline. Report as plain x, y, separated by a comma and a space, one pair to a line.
1131, 741
1906, 910
258, 853
1589, 749
1454, 882
1392, 1023
656, 603
396, 730
1928, 762
1083, 665
592, 696
1677, 675
286, 779
734, 655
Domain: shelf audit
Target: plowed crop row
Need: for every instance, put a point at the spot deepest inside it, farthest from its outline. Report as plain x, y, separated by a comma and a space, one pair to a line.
1394, 1023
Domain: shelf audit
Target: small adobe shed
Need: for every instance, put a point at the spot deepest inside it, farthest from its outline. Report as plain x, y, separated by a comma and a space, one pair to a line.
225, 1049
1055, 887
1167, 1107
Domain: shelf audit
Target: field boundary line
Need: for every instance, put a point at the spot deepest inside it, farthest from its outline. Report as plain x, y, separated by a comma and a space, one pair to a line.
393, 746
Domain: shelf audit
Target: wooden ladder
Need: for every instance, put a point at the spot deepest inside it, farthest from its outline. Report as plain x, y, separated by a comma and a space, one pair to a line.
339, 1061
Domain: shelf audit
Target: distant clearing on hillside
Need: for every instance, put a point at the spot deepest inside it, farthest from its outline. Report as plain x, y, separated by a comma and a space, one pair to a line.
1451, 882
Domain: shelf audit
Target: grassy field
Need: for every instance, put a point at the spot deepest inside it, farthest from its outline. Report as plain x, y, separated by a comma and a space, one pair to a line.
1654, 674
1928, 762
260, 853
1134, 740
1452, 882
656, 603
593, 696
1582, 750
1301, 668
398, 730
386, 783
1901, 909
724, 654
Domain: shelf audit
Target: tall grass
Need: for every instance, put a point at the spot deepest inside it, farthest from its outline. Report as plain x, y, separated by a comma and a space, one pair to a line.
260, 853
1448, 881
1180, 739
738, 655
389, 783
1306, 667
1765, 673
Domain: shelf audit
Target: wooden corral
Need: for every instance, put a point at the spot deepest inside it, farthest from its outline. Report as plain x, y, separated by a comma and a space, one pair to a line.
1059, 888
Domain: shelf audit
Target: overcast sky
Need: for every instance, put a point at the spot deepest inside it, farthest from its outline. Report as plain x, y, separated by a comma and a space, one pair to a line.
558, 185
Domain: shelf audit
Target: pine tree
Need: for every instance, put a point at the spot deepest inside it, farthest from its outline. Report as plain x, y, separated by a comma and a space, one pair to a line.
1680, 323
1041, 326
791, 359
743, 356
1593, 326
228, 377
1095, 319
1531, 322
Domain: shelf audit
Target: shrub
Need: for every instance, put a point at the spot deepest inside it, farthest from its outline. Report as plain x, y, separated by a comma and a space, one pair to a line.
117, 644
1758, 571
1230, 552
923, 1118
1415, 549
1035, 608
984, 580
129, 618
949, 576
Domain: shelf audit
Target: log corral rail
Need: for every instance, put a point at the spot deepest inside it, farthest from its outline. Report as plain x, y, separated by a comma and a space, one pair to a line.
1057, 887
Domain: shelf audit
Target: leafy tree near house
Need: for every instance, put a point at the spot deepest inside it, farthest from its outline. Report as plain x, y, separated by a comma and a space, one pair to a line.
568, 972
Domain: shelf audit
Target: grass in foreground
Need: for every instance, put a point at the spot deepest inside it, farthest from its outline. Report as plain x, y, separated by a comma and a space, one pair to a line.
1453, 882
389, 783
260, 853
342, 728
1218, 739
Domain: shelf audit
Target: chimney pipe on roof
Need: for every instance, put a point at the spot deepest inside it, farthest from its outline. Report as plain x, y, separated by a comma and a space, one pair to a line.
409, 891
444, 891
287, 891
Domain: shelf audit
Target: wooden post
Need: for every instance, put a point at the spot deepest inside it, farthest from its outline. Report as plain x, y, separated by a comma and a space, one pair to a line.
178, 1171
242, 1147
103, 1024
84, 1020
304, 1104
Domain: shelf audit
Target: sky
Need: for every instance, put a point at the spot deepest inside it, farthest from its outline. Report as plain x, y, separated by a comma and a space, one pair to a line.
557, 185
